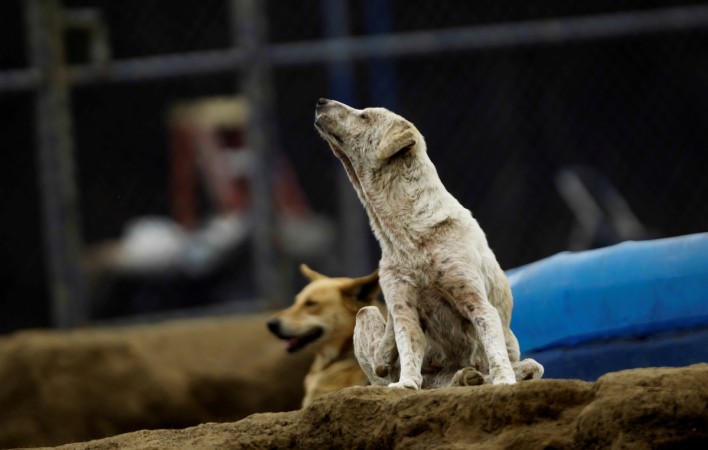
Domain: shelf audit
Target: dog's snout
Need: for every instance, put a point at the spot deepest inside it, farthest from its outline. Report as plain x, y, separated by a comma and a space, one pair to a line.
274, 326
322, 101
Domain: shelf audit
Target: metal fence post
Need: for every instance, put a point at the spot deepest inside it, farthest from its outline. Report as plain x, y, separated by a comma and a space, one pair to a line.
353, 225
249, 31
56, 164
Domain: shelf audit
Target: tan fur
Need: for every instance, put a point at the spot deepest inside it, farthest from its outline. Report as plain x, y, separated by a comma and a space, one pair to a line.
448, 301
329, 305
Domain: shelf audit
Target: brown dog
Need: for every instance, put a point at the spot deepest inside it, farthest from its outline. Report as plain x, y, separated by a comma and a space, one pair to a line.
322, 318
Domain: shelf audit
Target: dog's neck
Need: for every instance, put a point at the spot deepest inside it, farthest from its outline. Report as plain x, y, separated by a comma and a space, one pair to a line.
398, 200
331, 354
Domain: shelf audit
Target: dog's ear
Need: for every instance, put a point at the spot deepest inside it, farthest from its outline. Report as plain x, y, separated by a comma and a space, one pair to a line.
311, 274
399, 137
364, 289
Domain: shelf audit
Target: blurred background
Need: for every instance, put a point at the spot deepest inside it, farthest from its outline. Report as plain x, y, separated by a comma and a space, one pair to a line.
160, 158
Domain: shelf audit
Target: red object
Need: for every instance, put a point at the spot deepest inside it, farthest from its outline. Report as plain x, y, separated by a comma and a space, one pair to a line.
203, 156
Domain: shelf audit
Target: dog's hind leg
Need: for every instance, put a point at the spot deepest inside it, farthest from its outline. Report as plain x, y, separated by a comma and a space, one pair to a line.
468, 376
369, 334
387, 353
512, 345
527, 369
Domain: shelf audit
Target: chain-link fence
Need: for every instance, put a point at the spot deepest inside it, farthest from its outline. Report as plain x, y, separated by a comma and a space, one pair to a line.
201, 183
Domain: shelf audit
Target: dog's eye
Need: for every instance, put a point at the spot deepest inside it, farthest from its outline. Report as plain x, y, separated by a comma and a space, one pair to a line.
310, 303
364, 116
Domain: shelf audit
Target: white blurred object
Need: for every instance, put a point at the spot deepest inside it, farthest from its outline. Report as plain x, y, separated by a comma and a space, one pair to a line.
155, 246
151, 244
158, 245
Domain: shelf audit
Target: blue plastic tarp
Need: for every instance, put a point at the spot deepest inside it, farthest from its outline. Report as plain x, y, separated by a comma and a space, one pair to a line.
627, 290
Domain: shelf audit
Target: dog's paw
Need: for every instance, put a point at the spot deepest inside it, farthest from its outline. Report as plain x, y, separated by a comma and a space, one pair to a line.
504, 380
502, 375
469, 376
405, 384
379, 381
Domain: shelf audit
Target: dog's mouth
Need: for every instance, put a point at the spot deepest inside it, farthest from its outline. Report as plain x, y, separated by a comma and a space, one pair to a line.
318, 123
326, 133
295, 343
336, 143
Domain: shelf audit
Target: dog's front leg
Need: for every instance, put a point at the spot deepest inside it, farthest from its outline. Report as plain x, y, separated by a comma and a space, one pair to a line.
401, 299
487, 323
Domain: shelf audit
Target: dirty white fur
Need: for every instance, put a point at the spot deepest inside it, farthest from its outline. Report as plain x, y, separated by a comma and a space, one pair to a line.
448, 300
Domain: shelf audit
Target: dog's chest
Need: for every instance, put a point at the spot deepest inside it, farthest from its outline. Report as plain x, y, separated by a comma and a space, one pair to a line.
450, 335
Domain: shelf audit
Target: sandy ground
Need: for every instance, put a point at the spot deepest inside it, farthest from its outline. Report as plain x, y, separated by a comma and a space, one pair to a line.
70, 387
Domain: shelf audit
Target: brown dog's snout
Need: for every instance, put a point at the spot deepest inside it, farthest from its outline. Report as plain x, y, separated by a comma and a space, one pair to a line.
274, 326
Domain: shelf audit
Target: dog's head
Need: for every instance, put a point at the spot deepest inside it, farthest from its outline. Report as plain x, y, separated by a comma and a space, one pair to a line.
324, 312
366, 138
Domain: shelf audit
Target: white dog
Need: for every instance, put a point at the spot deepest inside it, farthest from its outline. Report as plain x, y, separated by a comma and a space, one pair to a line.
448, 301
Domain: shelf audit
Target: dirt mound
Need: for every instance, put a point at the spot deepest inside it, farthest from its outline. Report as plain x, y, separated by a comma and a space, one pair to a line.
642, 408
68, 387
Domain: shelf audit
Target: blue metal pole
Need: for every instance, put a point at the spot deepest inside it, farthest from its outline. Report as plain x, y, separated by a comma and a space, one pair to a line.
354, 234
381, 69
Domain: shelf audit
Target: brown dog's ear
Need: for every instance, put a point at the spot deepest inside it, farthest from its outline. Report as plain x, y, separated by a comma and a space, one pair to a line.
364, 289
399, 136
311, 274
